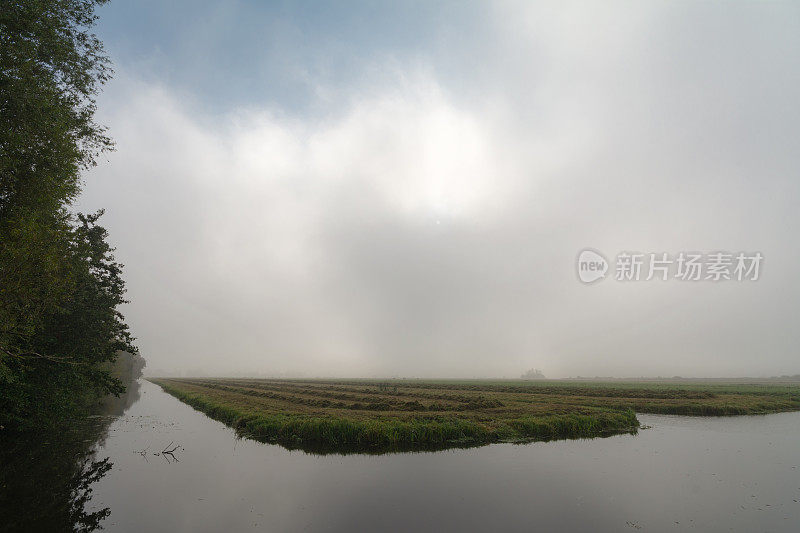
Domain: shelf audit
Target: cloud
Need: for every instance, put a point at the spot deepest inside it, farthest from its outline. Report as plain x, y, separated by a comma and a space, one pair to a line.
242, 236
424, 226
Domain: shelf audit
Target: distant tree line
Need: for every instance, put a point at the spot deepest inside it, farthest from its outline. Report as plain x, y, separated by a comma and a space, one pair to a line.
60, 287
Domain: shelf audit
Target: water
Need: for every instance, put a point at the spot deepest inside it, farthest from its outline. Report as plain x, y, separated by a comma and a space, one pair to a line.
703, 474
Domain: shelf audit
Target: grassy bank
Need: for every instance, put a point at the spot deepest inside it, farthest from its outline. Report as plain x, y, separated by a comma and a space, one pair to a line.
369, 415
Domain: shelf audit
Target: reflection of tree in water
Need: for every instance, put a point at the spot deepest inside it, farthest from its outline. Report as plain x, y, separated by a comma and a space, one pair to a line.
46, 479
116, 406
128, 369
82, 493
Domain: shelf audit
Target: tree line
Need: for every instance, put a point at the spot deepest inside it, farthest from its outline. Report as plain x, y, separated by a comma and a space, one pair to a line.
60, 286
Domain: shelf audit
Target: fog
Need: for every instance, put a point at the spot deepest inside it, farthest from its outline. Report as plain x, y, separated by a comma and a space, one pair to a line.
414, 207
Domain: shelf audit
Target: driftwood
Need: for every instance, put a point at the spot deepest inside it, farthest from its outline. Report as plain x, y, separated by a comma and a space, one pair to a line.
168, 453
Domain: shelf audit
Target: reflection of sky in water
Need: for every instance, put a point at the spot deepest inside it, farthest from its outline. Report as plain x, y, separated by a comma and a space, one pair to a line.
701, 473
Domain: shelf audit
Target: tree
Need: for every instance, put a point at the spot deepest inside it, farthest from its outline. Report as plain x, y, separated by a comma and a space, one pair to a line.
51, 68
60, 287
533, 373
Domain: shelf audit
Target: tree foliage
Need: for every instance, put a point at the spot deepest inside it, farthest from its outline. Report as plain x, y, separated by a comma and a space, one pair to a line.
60, 287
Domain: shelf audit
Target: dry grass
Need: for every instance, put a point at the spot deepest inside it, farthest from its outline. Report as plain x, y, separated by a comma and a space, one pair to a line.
370, 415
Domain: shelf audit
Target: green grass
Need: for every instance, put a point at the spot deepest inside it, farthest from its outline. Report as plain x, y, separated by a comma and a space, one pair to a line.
377, 416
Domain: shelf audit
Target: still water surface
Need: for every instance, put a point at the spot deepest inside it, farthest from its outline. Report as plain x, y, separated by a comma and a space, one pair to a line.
702, 474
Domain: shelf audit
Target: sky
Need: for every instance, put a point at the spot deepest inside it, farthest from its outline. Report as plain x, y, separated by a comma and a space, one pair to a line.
402, 189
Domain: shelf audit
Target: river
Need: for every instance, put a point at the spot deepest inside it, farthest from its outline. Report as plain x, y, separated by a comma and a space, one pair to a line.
683, 473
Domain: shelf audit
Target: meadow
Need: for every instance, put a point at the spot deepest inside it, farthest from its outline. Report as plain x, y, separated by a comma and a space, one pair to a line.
360, 415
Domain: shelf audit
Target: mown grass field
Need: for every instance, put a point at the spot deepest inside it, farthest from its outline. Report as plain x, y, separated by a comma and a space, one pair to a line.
371, 415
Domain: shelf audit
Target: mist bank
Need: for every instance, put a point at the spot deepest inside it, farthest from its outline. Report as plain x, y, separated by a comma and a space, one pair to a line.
159, 373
